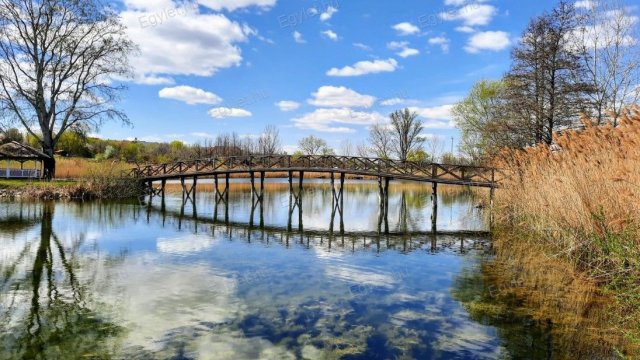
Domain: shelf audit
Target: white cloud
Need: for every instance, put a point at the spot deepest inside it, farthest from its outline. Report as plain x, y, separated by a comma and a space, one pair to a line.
465, 29
185, 43
328, 13
406, 28
392, 102
408, 52
472, 14
442, 41
340, 96
286, 105
190, 95
455, 2
365, 67
324, 120
404, 50
225, 112
488, 40
202, 135
362, 46
436, 117
330, 35
585, 4
298, 38
152, 80
232, 5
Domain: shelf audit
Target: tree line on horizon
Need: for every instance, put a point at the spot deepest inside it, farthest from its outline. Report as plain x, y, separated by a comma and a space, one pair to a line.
570, 63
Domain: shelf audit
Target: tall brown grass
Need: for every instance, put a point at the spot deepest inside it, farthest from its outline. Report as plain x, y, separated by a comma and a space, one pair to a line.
77, 168
579, 203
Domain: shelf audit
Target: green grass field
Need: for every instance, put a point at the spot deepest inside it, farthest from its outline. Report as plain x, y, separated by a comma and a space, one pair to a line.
17, 183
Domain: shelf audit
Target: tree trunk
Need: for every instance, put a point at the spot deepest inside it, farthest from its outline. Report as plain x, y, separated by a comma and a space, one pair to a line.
49, 164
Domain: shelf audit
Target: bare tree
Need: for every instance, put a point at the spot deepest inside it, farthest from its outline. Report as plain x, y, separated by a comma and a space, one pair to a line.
269, 141
346, 148
407, 129
363, 150
312, 145
435, 147
545, 87
607, 40
381, 140
57, 61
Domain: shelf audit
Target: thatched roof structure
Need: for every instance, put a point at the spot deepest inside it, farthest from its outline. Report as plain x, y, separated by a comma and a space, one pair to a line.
20, 152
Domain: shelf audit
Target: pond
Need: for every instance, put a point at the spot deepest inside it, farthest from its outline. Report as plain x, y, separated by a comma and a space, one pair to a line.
202, 280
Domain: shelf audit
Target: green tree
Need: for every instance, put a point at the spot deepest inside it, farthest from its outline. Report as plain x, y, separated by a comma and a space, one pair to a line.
482, 120
312, 145
418, 155
11, 134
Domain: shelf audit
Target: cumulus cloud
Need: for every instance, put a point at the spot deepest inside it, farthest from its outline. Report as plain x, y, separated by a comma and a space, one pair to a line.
585, 4
488, 40
328, 13
442, 41
232, 5
362, 46
406, 28
297, 37
404, 51
471, 14
186, 42
225, 112
465, 29
325, 120
340, 96
436, 117
365, 67
286, 105
190, 95
392, 101
330, 35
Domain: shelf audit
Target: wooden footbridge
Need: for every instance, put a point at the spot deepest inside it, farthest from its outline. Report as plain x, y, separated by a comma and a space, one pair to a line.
344, 165
258, 166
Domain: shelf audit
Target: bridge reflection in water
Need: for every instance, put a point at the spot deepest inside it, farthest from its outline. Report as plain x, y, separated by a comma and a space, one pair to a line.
219, 220
384, 170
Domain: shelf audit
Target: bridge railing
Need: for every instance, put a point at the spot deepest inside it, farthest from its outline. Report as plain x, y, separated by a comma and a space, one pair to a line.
359, 165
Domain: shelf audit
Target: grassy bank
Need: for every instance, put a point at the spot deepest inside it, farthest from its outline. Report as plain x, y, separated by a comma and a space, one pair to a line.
570, 217
91, 180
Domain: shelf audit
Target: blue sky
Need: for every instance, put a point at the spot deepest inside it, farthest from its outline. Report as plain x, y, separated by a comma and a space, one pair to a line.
328, 68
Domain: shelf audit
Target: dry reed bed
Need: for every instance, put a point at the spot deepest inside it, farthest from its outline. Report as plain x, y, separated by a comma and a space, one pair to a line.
578, 203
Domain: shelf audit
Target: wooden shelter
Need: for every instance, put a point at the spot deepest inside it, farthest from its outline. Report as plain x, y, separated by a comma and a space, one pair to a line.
13, 152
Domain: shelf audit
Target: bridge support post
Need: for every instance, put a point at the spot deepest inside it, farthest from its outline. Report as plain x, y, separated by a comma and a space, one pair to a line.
290, 181
301, 181
342, 176
434, 207
383, 210
492, 195
162, 195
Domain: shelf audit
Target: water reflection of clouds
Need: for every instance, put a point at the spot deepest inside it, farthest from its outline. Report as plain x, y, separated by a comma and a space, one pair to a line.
360, 276
185, 245
157, 300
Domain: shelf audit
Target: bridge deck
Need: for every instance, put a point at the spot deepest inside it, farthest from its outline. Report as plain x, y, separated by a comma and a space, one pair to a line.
413, 171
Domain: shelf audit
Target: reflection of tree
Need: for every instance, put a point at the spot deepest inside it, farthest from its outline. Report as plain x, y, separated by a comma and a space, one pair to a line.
45, 312
409, 216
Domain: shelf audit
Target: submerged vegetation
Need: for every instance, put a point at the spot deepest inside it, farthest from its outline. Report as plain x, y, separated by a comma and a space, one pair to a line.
574, 205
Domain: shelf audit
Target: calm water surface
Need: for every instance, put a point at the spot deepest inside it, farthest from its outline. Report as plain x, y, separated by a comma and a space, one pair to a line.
136, 281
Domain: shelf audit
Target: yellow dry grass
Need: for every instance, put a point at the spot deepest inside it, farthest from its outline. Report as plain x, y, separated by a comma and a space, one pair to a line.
78, 168
577, 205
